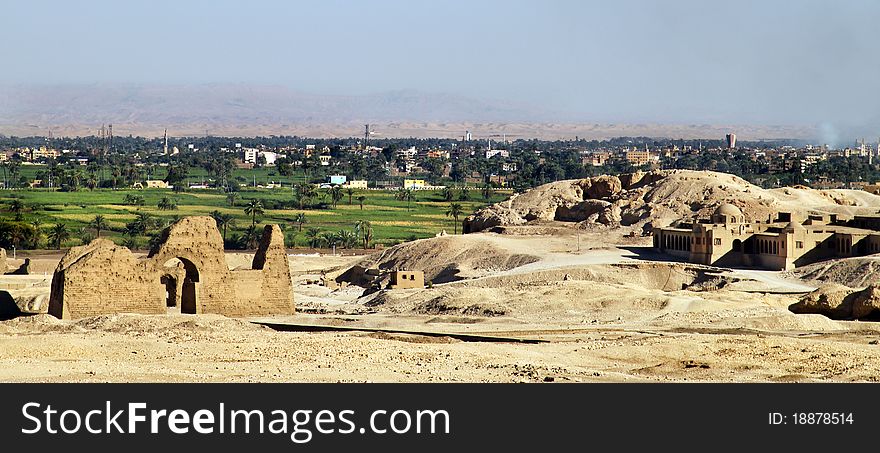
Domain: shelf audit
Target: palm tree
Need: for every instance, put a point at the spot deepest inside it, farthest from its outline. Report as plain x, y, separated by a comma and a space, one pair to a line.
361, 200
335, 193
130, 241
350, 193
231, 197
455, 210
300, 219
305, 192
447, 194
347, 239
38, 232
167, 204
20, 233
141, 224
250, 237
223, 221
464, 195
58, 234
364, 229
253, 208
134, 200
487, 191
14, 170
17, 208
329, 238
407, 195
290, 239
314, 238
99, 223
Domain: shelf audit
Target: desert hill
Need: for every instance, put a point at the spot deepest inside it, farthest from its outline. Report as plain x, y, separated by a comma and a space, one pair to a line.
638, 201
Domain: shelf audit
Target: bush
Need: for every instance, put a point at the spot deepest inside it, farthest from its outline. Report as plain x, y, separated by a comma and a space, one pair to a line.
16, 233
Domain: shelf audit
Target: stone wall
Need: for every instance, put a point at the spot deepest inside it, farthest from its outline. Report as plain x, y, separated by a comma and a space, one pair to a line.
275, 295
102, 278
196, 242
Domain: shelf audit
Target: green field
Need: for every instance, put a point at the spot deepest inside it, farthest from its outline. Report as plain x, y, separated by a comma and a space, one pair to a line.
393, 221
260, 175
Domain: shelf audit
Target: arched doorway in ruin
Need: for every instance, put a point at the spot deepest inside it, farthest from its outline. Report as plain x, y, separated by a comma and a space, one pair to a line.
181, 283
172, 302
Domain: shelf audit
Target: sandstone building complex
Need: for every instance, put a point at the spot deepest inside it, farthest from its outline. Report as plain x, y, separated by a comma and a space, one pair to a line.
187, 271
781, 242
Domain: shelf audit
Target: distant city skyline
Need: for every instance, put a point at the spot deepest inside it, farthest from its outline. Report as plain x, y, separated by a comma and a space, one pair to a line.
695, 62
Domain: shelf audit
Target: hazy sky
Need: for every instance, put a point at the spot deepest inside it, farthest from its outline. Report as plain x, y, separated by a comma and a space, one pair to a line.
701, 61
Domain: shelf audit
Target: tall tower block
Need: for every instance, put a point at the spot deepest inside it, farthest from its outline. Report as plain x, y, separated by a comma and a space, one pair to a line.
731, 141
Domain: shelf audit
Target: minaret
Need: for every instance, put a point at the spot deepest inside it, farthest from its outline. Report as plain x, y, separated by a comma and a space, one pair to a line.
166, 142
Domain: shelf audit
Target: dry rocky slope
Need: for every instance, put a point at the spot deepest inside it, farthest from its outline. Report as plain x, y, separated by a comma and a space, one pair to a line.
442, 259
841, 302
638, 201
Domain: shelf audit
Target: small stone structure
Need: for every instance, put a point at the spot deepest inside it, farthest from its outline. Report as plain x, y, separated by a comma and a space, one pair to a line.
407, 279
187, 271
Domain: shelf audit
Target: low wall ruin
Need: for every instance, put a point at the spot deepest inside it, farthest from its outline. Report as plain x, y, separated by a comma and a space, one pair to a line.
186, 271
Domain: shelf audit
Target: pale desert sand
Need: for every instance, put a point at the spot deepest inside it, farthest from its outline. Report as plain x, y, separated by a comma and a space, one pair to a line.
602, 313
586, 301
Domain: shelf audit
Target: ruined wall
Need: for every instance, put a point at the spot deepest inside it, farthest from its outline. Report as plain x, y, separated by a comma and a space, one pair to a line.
101, 278
275, 294
2, 260
198, 241
104, 278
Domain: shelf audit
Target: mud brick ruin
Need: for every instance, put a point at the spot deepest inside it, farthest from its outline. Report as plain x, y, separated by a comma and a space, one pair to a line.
187, 271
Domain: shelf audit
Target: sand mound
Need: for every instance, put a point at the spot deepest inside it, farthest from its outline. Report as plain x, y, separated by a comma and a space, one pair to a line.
585, 294
853, 272
177, 327
442, 259
839, 302
164, 325
572, 301
653, 276
35, 324
782, 321
639, 201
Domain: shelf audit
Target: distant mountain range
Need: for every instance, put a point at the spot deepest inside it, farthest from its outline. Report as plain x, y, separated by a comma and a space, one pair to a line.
230, 109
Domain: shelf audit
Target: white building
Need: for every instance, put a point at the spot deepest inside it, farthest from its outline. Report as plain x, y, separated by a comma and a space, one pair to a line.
251, 154
408, 154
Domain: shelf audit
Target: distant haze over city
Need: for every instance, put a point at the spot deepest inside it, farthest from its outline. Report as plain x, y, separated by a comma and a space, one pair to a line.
532, 69
247, 110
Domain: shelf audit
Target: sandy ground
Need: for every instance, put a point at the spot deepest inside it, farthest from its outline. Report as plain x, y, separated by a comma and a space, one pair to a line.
591, 313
